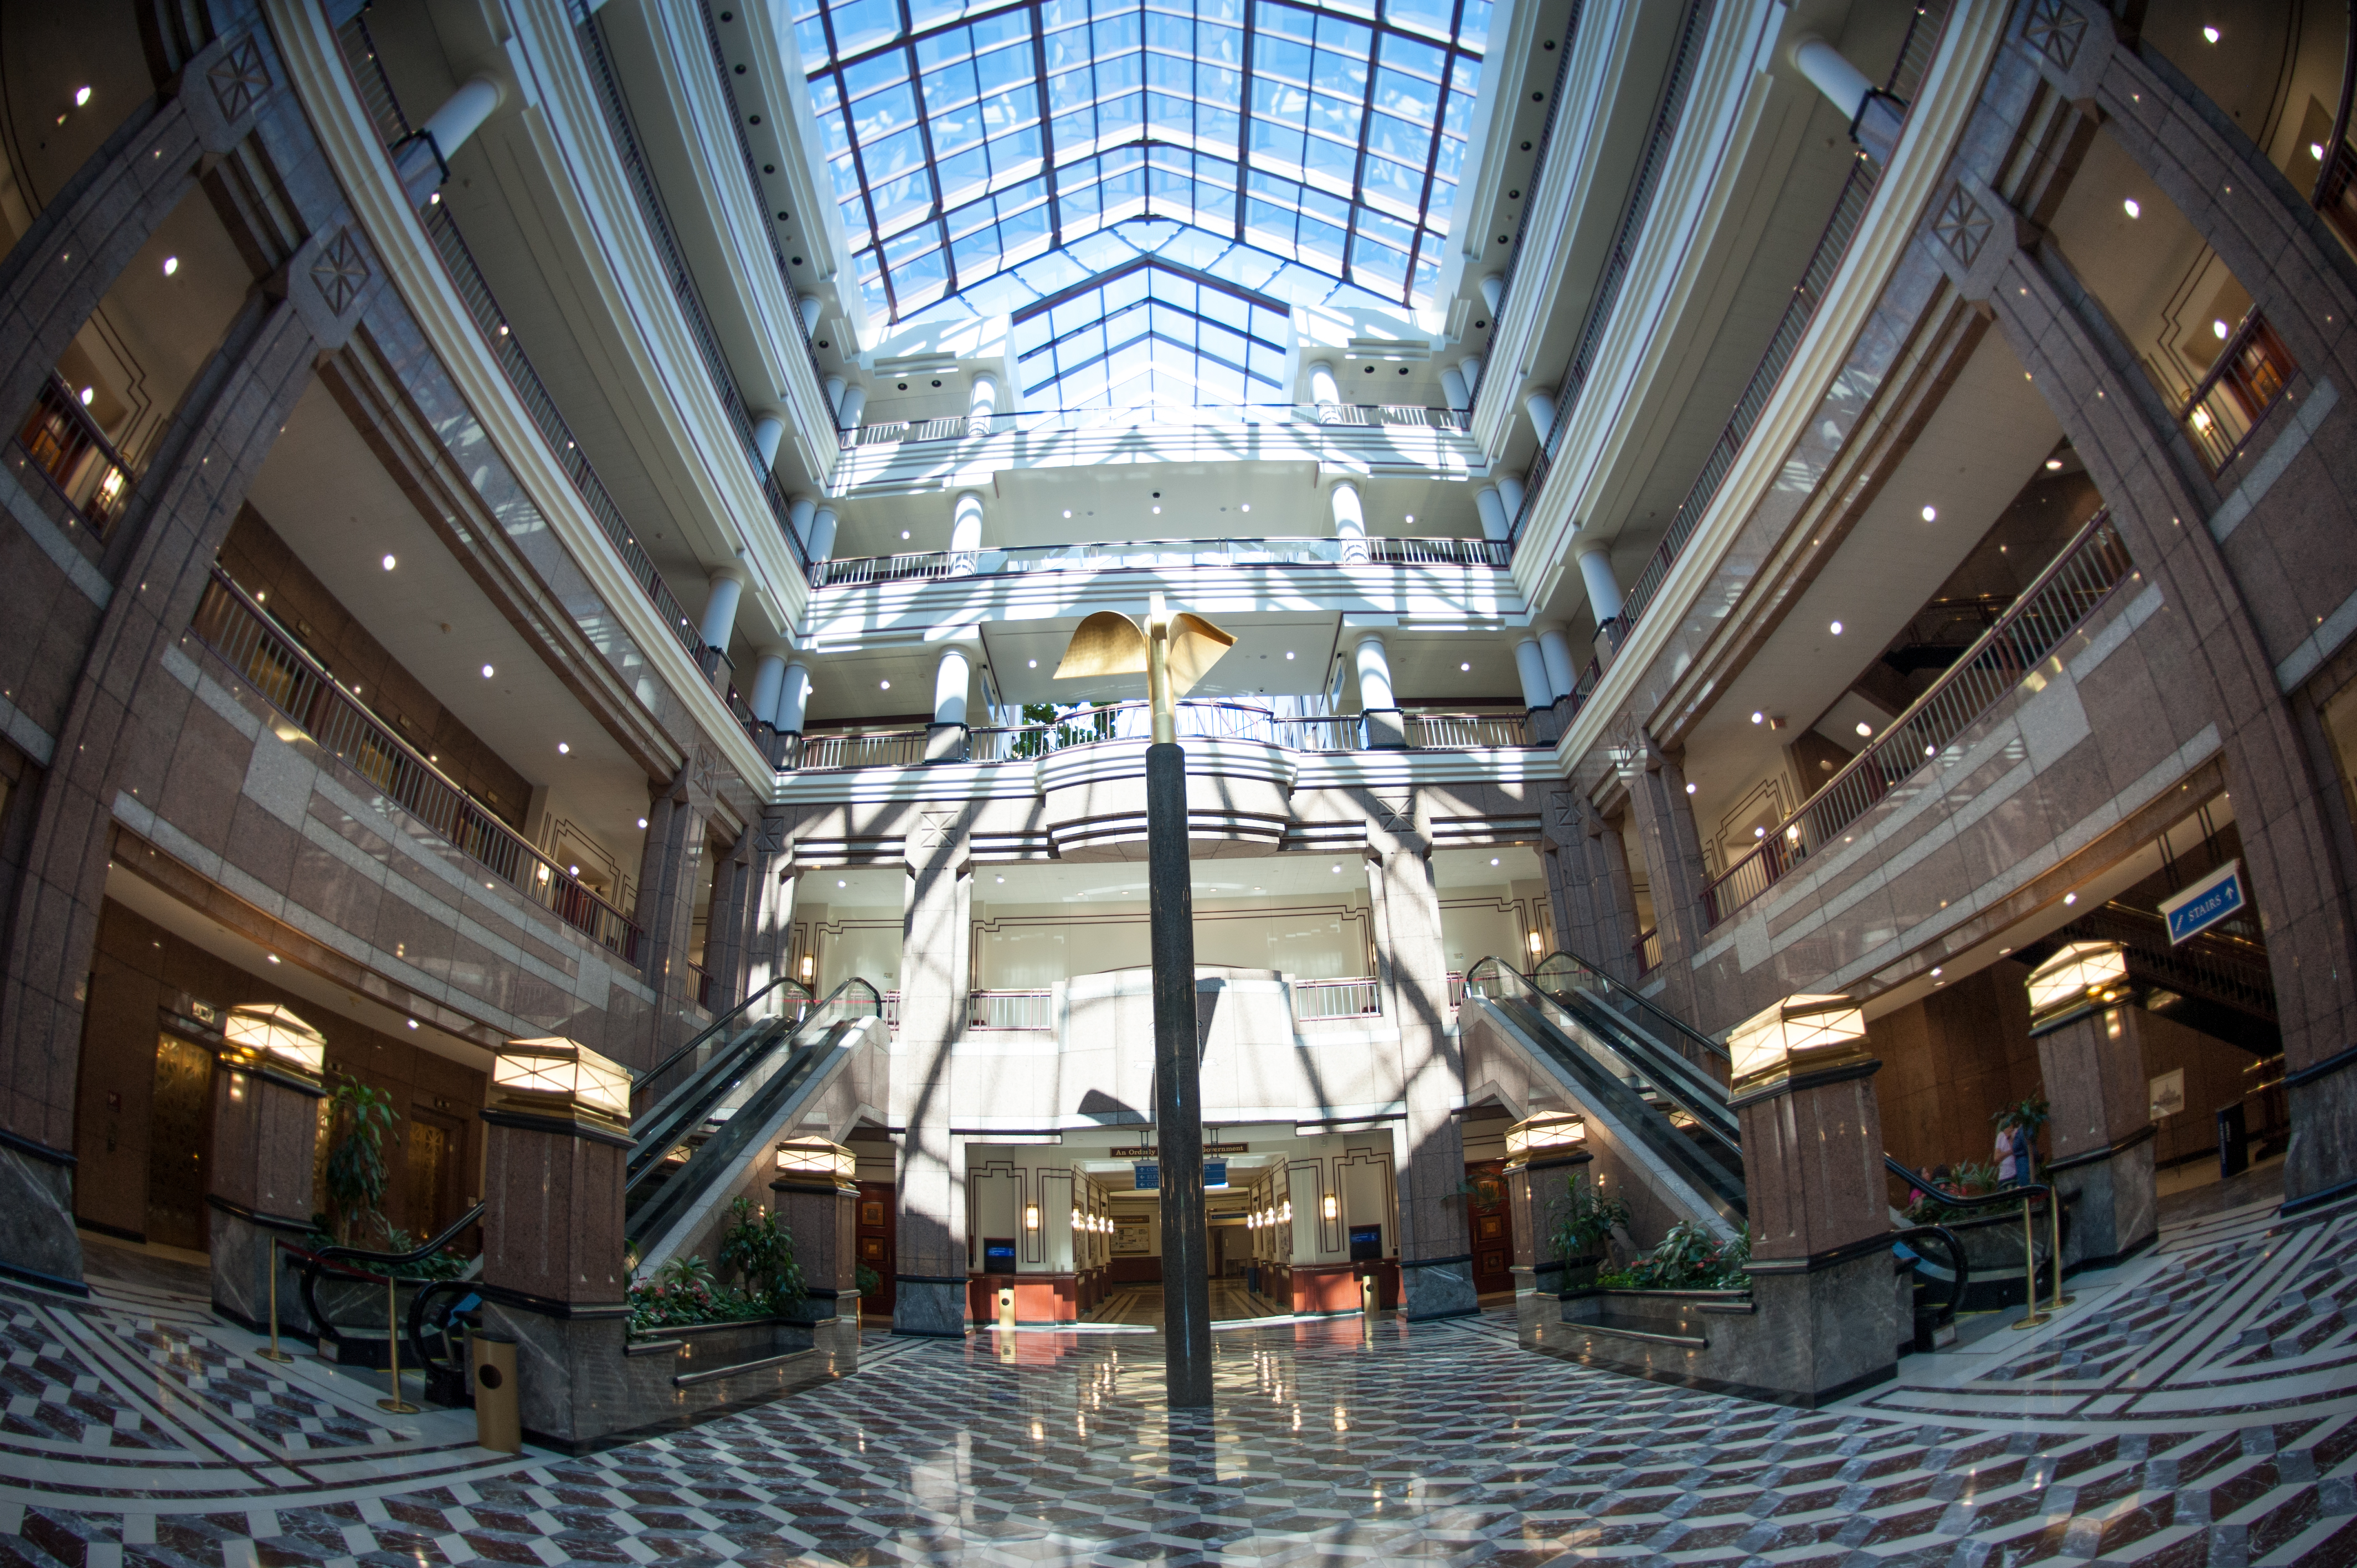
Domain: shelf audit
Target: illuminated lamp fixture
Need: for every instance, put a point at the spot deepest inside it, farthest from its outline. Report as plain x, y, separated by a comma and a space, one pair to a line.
1538, 944
811, 1158
559, 1079
1030, 1217
1331, 1207
1552, 1135
1076, 1220
264, 1038
1285, 1213
1799, 1035
2081, 978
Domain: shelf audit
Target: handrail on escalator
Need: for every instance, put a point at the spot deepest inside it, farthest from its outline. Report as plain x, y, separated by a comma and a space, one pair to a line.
640, 1080
1541, 974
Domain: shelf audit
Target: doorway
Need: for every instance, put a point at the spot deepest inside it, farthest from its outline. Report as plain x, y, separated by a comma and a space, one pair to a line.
179, 1135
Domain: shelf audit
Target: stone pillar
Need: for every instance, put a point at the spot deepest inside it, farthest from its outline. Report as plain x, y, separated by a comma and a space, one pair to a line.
266, 1131
945, 739
2100, 1133
820, 1209
2288, 802
728, 920
1821, 1273
125, 714
766, 955
822, 534
1495, 523
981, 405
1349, 521
929, 1285
1674, 866
668, 868
1534, 1188
1588, 884
1385, 729
61, 266
1429, 1164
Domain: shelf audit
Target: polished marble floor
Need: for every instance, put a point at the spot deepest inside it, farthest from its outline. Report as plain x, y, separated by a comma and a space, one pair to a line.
2196, 1406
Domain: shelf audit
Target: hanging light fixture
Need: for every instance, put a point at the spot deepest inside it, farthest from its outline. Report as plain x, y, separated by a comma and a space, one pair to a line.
2082, 976
1800, 1034
264, 1035
552, 1076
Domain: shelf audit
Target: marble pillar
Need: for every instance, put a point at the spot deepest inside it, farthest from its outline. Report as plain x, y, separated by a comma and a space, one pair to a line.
823, 1213
2100, 1133
930, 1267
266, 1131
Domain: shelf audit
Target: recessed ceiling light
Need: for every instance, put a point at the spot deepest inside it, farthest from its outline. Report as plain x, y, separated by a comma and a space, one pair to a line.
572, 871
1337, 871
1935, 971
1759, 833
2070, 897
273, 958
883, 685
839, 882
487, 671
81, 95
413, 1023
1864, 728
1463, 666
2131, 209
904, 533
1690, 788
2210, 35
1411, 517
2053, 464
1836, 628
88, 393
1158, 511
1930, 514
388, 562
562, 749
171, 265
1247, 505
2002, 951
1493, 860
1002, 879
1759, 718
1288, 653
642, 822
2316, 151
1035, 664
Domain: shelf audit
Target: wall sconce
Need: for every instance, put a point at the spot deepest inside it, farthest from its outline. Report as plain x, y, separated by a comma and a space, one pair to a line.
555, 1077
1076, 1220
810, 967
1800, 1034
264, 1034
1331, 1207
1030, 1217
1538, 945
1284, 1215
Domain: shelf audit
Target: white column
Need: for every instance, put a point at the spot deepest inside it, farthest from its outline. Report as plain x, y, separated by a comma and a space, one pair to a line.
768, 432
1495, 522
854, 405
794, 698
822, 534
1603, 587
769, 676
1493, 292
1510, 490
798, 517
834, 386
720, 609
1350, 521
1540, 406
462, 114
965, 523
951, 678
1375, 675
812, 308
1561, 672
1324, 387
1452, 386
1470, 367
1531, 665
981, 403
1844, 85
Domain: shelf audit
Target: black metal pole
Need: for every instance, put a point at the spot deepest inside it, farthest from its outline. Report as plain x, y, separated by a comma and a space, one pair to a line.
1178, 1083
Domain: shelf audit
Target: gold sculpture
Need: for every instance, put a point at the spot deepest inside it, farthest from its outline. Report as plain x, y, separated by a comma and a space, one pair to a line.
1175, 652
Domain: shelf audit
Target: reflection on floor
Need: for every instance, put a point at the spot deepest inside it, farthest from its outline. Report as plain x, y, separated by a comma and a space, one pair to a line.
2196, 1406
1141, 1306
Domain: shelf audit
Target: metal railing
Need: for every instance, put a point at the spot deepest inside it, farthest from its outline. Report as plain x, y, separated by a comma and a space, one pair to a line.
884, 748
1648, 951
1158, 555
890, 1010
2077, 581
589, 36
1563, 975
1606, 294
262, 654
1033, 1010
366, 73
62, 444
1156, 416
703, 978
1467, 732
2243, 386
2220, 968
1538, 168
1915, 54
1317, 1000
1456, 989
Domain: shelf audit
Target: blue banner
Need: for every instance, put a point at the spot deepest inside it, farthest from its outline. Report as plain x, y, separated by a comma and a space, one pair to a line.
2205, 903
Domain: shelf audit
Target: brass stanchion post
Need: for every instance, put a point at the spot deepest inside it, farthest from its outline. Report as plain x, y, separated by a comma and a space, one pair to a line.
396, 1404
275, 1353
2030, 1319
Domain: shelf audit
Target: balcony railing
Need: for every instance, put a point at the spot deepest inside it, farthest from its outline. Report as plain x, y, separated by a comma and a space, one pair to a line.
1467, 732
262, 654
1158, 555
2243, 386
1648, 951
2090, 568
1031, 1009
1315, 1000
375, 90
1456, 990
703, 978
1156, 417
63, 444
884, 748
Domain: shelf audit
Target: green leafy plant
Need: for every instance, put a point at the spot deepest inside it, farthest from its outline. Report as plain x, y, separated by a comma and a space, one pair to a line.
359, 1118
1967, 1180
1688, 1258
1584, 1219
871, 1283
760, 1253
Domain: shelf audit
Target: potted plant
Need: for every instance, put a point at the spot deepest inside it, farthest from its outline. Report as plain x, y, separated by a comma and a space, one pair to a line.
1584, 1222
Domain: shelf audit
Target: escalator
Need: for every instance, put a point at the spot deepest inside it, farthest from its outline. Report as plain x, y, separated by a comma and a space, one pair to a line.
748, 1079
1644, 1082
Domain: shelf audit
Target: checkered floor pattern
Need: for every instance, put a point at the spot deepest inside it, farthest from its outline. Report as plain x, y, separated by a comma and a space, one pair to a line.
152, 1437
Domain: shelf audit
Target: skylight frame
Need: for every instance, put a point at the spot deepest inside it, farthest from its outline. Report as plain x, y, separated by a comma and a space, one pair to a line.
1450, 72
1254, 305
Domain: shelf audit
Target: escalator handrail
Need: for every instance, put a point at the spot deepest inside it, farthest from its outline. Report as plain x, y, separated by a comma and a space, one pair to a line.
2008, 1195
333, 1261
1959, 1266
1697, 1096
640, 1080
664, 1125
1678, 1025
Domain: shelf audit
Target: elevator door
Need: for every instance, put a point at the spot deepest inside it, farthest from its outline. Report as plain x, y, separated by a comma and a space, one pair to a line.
177, 1137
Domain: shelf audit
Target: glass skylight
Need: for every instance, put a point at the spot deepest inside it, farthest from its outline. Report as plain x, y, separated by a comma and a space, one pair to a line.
1148, 335
1000, 155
